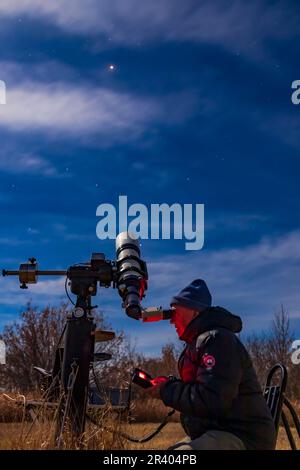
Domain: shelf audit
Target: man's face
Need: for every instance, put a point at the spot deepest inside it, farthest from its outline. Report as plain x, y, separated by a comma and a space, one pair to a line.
181, 317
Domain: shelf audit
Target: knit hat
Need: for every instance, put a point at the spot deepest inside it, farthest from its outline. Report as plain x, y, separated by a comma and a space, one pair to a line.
196, 296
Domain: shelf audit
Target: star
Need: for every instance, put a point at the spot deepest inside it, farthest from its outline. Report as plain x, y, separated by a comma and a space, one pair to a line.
112, 67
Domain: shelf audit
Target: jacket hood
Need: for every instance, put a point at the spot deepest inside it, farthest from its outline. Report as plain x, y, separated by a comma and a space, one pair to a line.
213, 317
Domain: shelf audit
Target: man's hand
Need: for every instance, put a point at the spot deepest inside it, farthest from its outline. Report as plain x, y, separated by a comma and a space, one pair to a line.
157, 383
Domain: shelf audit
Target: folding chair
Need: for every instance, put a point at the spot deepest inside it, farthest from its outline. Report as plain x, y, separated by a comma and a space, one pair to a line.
274, 394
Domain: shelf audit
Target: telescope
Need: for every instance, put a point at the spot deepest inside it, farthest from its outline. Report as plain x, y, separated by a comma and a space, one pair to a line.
128, 273
75, 352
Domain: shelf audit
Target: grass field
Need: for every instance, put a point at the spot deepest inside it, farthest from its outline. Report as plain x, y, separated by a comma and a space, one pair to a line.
14, 436
18, 432
173, 433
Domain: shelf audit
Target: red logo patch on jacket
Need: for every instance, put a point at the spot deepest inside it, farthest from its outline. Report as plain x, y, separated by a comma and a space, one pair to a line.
208, 361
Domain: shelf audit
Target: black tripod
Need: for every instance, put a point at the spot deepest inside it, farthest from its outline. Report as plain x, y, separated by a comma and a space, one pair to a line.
77, 356
69, 381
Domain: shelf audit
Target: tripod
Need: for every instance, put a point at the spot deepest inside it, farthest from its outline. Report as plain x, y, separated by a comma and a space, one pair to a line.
70, 375
78, 353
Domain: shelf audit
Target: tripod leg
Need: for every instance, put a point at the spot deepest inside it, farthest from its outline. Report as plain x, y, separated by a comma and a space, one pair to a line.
78, 351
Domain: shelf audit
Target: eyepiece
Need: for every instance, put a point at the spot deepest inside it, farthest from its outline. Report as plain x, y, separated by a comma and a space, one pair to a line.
151, 314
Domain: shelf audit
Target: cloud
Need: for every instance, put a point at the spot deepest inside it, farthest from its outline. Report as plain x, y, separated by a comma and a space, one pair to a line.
45, 292
73, 110
235, 24
68, 110
14, 160
13, 241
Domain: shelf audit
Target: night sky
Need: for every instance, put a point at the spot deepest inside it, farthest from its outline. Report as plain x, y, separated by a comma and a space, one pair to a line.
164, 102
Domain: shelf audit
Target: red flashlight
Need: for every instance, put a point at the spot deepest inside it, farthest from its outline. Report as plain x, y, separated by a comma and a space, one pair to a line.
141, 378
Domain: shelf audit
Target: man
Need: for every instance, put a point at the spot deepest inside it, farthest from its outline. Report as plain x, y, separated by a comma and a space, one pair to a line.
218, 394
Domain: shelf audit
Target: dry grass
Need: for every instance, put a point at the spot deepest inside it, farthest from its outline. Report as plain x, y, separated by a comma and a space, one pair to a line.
13, 437
151, 410
40, 436
174, 432
282, 441
9, 411
18, 433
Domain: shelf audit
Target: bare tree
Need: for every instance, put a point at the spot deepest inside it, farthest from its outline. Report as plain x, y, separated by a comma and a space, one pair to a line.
257, 346
32, 341
166, 364
269, 348
281, 338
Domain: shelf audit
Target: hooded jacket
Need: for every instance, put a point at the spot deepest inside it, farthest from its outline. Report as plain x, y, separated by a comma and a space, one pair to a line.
219, 389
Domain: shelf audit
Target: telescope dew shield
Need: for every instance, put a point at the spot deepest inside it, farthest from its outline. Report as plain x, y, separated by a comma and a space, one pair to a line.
131, 273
